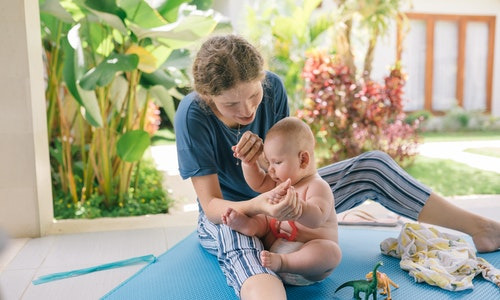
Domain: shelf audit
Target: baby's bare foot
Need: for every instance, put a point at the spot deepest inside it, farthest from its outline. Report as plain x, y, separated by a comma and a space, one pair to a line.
271, 260
488, 238
238, 221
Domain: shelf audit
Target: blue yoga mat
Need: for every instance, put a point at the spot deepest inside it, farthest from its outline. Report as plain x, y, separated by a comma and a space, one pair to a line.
187, 271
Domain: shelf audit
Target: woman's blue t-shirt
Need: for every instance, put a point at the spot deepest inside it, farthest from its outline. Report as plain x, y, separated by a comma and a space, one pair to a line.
204, 142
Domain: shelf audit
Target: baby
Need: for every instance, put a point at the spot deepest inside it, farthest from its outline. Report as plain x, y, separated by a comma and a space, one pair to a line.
304, 249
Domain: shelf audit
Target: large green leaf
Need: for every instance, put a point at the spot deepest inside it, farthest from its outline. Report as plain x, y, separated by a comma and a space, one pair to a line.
161, 52
165, 100
78, 11
158, 77
191, 26
54, 8
104, 73
99, 38
50, 26
106, 6
109, 12
72, 72
131, 146
179, 58
90, 108
169, 9
118, 91
141, 13
74, 64
69, 70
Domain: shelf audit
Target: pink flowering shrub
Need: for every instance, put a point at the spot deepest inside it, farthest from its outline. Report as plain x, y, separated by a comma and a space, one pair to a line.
349, 117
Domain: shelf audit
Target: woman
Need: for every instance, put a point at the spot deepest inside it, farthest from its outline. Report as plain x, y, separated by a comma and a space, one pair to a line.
223, 123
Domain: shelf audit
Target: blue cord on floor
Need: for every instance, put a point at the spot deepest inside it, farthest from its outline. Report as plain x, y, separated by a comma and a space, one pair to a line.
117, 264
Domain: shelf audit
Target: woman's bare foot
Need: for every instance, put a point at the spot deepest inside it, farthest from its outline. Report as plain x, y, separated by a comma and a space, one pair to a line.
271, 260
239, 222
488, 238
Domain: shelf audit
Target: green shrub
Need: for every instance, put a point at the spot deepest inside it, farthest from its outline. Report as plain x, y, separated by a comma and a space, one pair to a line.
351, 116
150, 197
459, 119
421, 116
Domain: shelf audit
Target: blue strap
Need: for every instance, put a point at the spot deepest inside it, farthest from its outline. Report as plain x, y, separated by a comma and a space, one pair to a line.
117, 264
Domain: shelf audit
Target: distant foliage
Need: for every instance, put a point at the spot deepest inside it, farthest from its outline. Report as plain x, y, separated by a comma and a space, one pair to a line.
350, 116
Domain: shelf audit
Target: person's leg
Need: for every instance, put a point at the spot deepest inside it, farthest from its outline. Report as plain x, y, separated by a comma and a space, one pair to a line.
375, 175
238, 257
263, 286
485, 233
315, 260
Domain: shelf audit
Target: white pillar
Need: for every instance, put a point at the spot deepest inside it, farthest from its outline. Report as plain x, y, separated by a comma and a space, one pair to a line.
25, 185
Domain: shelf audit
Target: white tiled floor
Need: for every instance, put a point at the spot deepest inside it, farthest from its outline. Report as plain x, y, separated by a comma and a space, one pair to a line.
63, 253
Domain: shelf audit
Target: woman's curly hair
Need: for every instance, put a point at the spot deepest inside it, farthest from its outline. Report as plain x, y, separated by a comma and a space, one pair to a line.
224, 61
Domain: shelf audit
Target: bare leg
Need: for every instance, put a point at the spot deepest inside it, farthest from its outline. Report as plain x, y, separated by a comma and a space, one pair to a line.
485, 232
315, 260
251, 226
263, 286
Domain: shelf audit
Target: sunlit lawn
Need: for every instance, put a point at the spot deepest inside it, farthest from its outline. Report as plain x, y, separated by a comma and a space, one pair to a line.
488, 151
449, 177
460, 136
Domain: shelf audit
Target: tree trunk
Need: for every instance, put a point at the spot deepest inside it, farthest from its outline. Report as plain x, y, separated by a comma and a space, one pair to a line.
370, 53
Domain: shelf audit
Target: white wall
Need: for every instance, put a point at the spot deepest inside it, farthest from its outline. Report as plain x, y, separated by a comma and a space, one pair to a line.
25, 188
467, 7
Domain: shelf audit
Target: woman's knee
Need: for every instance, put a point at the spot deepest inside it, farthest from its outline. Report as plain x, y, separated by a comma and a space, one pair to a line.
378, 154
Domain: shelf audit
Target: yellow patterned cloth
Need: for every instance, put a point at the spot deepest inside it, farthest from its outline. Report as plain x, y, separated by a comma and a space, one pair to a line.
442, 259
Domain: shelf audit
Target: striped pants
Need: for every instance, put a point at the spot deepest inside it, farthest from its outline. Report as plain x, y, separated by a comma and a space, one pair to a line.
372, 175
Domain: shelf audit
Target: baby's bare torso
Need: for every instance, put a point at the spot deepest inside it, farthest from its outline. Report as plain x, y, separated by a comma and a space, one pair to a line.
329, 228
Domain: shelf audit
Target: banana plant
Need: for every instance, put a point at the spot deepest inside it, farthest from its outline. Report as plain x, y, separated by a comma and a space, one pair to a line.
374, 18
106, 61
289, 28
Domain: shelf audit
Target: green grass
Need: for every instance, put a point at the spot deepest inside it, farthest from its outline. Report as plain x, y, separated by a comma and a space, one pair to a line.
460, 136
450, 178
488, 151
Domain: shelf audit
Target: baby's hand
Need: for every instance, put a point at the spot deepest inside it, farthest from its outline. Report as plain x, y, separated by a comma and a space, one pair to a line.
285, 203
277, 194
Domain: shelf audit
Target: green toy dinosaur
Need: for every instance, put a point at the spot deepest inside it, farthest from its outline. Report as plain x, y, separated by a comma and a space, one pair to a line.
368, 287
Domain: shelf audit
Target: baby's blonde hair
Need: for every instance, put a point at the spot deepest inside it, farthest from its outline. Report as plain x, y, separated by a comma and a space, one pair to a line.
297, 132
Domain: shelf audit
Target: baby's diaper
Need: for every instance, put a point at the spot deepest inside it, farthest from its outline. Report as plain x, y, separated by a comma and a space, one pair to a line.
283, 246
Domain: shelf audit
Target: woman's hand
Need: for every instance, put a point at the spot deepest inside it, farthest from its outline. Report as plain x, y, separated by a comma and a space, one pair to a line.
283, 202
289, 207
249, 148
